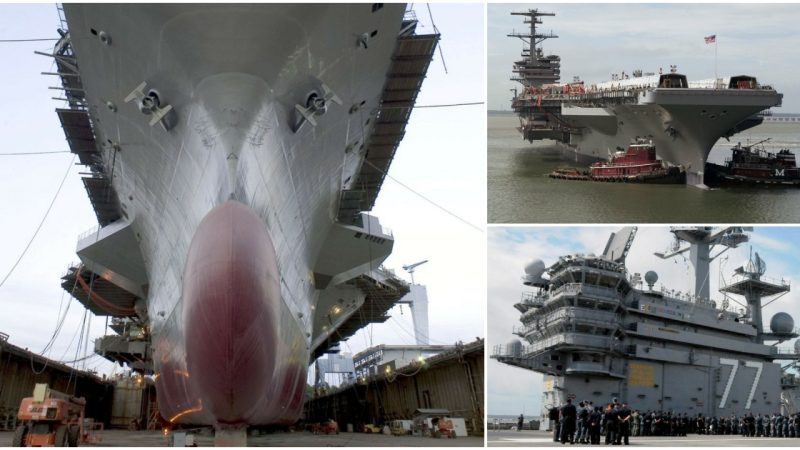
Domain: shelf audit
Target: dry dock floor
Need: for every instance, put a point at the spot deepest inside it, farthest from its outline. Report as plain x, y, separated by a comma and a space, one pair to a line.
545, 439
122, 438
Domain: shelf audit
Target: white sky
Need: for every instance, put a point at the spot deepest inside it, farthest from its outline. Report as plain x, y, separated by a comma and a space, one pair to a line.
596, 40
442, 157
511, 389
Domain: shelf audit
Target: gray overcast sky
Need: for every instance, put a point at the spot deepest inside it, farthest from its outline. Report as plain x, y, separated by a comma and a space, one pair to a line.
442, 157
511, 389
596, 40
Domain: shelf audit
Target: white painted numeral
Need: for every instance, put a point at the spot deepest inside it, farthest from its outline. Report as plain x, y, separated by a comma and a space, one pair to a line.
759, 366
734, 367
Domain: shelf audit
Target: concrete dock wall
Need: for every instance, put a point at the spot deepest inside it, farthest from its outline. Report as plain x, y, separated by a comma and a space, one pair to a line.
452, 380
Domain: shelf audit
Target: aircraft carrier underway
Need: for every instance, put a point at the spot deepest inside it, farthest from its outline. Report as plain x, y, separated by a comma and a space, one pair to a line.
597, 333
232, 150
683, 118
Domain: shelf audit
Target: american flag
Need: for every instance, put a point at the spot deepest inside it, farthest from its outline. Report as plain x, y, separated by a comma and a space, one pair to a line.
711, 39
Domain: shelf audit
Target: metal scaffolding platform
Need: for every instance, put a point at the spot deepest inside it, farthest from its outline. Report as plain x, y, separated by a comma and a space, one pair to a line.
77, 125
383, 290
98, 295
103, 197
80, 137
123, 349
743, 285
67, 70
410, 62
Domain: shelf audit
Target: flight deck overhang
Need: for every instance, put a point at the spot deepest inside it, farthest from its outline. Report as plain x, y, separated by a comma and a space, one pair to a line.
754, 98
113, 251
352, 249
410, 62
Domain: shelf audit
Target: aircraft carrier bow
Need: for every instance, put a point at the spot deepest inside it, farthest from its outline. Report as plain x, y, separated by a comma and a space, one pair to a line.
232, 151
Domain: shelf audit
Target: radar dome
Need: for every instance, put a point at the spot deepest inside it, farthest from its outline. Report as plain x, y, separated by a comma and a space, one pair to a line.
797, 346
533, 273
650, 278
514, 348
535, 268
781, 323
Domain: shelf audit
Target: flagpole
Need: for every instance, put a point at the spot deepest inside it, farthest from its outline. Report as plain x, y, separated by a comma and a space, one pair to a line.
716, 79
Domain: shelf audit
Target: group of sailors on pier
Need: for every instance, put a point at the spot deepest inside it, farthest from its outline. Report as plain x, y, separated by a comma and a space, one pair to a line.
776, 425
587, 422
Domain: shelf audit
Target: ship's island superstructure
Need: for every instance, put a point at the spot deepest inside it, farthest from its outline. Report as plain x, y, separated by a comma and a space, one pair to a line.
596, 332
232, 151
684, 118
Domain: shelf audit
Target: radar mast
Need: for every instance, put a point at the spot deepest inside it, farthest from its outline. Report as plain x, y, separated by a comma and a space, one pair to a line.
701, 240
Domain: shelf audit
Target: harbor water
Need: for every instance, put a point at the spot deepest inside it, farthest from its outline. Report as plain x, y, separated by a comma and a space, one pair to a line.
521, 192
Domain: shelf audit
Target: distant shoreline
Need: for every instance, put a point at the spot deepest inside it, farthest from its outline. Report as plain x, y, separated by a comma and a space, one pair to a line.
511, 417
783, 118
775, 117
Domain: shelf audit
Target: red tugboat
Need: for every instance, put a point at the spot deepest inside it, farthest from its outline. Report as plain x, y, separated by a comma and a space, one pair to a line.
750, 164
637, 164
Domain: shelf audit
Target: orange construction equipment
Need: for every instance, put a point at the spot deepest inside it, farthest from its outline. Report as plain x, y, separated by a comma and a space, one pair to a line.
49, 418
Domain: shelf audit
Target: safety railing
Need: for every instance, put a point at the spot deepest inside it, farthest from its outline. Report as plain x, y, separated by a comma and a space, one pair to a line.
532, 299
91, 231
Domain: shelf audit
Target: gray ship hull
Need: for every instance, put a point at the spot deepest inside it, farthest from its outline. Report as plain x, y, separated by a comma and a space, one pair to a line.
684, 119
691, 388
232, 197
684, 123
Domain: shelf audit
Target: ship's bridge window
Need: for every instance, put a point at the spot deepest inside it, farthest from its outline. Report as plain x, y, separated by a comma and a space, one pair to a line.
607, 282
742, 82
673, 80
577, 357
586, 303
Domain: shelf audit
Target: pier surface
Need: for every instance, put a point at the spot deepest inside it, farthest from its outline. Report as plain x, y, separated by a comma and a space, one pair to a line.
124, 438
525, 438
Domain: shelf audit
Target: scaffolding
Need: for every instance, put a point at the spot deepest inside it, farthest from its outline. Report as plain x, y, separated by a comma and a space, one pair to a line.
383, 290
79, 132
410, 62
